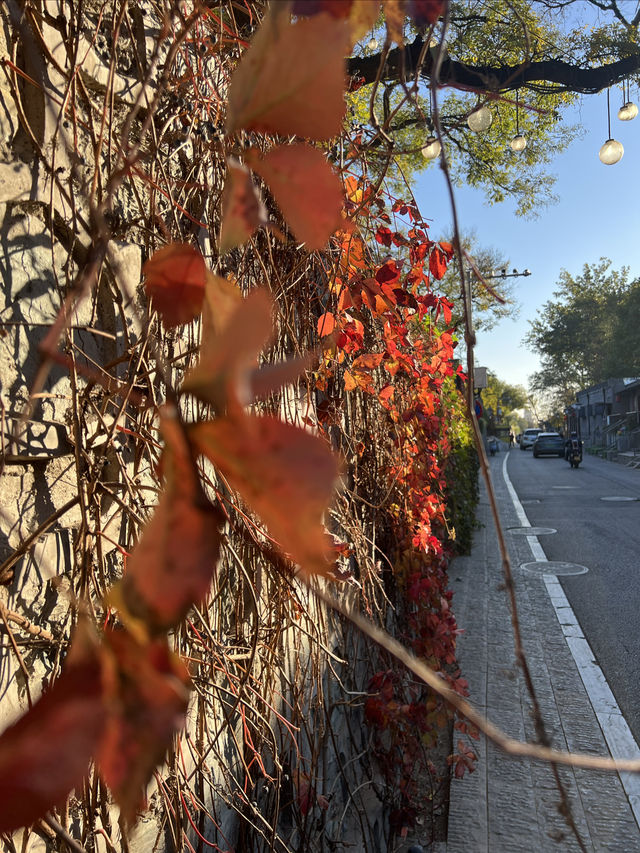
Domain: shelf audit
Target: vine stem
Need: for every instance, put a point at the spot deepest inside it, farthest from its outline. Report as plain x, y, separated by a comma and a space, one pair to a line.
436, 682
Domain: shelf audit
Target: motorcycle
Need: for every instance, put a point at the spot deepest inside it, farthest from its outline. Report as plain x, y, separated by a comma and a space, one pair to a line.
574, 453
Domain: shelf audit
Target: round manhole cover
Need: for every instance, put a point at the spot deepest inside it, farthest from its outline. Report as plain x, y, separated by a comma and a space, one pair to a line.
554, 567
618, 498
532, 531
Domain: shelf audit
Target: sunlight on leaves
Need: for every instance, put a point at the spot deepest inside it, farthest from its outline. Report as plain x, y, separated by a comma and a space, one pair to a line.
291, 80
286, 475
307, 190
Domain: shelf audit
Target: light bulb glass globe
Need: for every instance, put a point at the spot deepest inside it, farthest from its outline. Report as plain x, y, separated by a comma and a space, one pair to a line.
627, 111
611, 152
432, 148
480, 119
373, 44
519, 142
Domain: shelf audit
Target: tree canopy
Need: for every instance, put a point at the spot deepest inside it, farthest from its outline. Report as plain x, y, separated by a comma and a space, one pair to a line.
588, 332
527, 60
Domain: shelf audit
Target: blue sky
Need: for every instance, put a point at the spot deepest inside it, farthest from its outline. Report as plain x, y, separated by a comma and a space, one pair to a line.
598, 215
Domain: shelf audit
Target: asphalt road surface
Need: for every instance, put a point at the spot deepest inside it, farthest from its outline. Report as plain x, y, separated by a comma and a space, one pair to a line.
604, 536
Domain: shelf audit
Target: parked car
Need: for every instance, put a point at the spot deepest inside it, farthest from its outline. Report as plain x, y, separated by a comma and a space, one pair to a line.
528, 437
549, 444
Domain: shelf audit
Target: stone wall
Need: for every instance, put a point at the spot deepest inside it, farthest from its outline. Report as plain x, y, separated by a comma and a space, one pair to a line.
279, 684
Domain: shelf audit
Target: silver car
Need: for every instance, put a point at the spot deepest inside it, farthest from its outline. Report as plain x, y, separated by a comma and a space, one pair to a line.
528, 437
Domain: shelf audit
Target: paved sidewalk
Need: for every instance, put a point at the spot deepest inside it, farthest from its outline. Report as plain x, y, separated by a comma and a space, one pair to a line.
510, 805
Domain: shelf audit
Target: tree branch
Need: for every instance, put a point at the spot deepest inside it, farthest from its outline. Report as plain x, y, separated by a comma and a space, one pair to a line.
552, 75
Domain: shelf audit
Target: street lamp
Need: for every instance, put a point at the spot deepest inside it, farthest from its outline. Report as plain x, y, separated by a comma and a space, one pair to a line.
504, 274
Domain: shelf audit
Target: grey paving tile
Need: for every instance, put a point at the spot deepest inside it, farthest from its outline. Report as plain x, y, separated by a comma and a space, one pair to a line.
512, 805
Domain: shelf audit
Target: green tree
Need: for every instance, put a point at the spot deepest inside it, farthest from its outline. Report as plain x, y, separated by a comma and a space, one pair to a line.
488, 309
500, 399
525, 51
588, 332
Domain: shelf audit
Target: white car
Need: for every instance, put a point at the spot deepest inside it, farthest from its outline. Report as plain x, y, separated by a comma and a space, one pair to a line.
528, 437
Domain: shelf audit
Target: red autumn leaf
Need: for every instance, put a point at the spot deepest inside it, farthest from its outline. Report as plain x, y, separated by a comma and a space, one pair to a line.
171, 567
147, 695
46, 753
174, 279
326, 324
335, 8
437, 263
291, 80
388, 273
243, 210
284, 474
425, 13
307, 190
384, 235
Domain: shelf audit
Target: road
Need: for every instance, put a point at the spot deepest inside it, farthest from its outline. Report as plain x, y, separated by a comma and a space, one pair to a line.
604, 536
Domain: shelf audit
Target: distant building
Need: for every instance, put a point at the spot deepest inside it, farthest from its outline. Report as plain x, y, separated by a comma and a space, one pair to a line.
607, 414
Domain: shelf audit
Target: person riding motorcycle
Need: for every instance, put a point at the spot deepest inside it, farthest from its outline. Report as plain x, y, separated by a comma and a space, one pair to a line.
569, 444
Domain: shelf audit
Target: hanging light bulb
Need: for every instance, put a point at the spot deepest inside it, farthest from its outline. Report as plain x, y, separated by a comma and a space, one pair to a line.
431, 149
480, 119
519, 142
612, 150
373, 43
627, 111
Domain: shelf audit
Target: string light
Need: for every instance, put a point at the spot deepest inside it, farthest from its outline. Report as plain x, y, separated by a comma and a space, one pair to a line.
628, 110
519, 142
612, 150
431, 149
480, 120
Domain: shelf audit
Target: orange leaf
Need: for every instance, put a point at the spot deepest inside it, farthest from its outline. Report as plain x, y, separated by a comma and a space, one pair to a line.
243, 210
147, 700
350, 382
284, 474
363, 17
291, 80
222, 296
394, 13
326, 324
174, 280
222, 376
171, 567
307, 190
46, 752
368, 361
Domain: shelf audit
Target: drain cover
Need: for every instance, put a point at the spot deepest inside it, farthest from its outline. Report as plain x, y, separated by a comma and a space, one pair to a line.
565, 487
531, 501
532, 531
554, 567
618, 498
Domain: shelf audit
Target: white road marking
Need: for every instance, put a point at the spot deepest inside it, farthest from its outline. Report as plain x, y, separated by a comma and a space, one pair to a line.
615, 729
